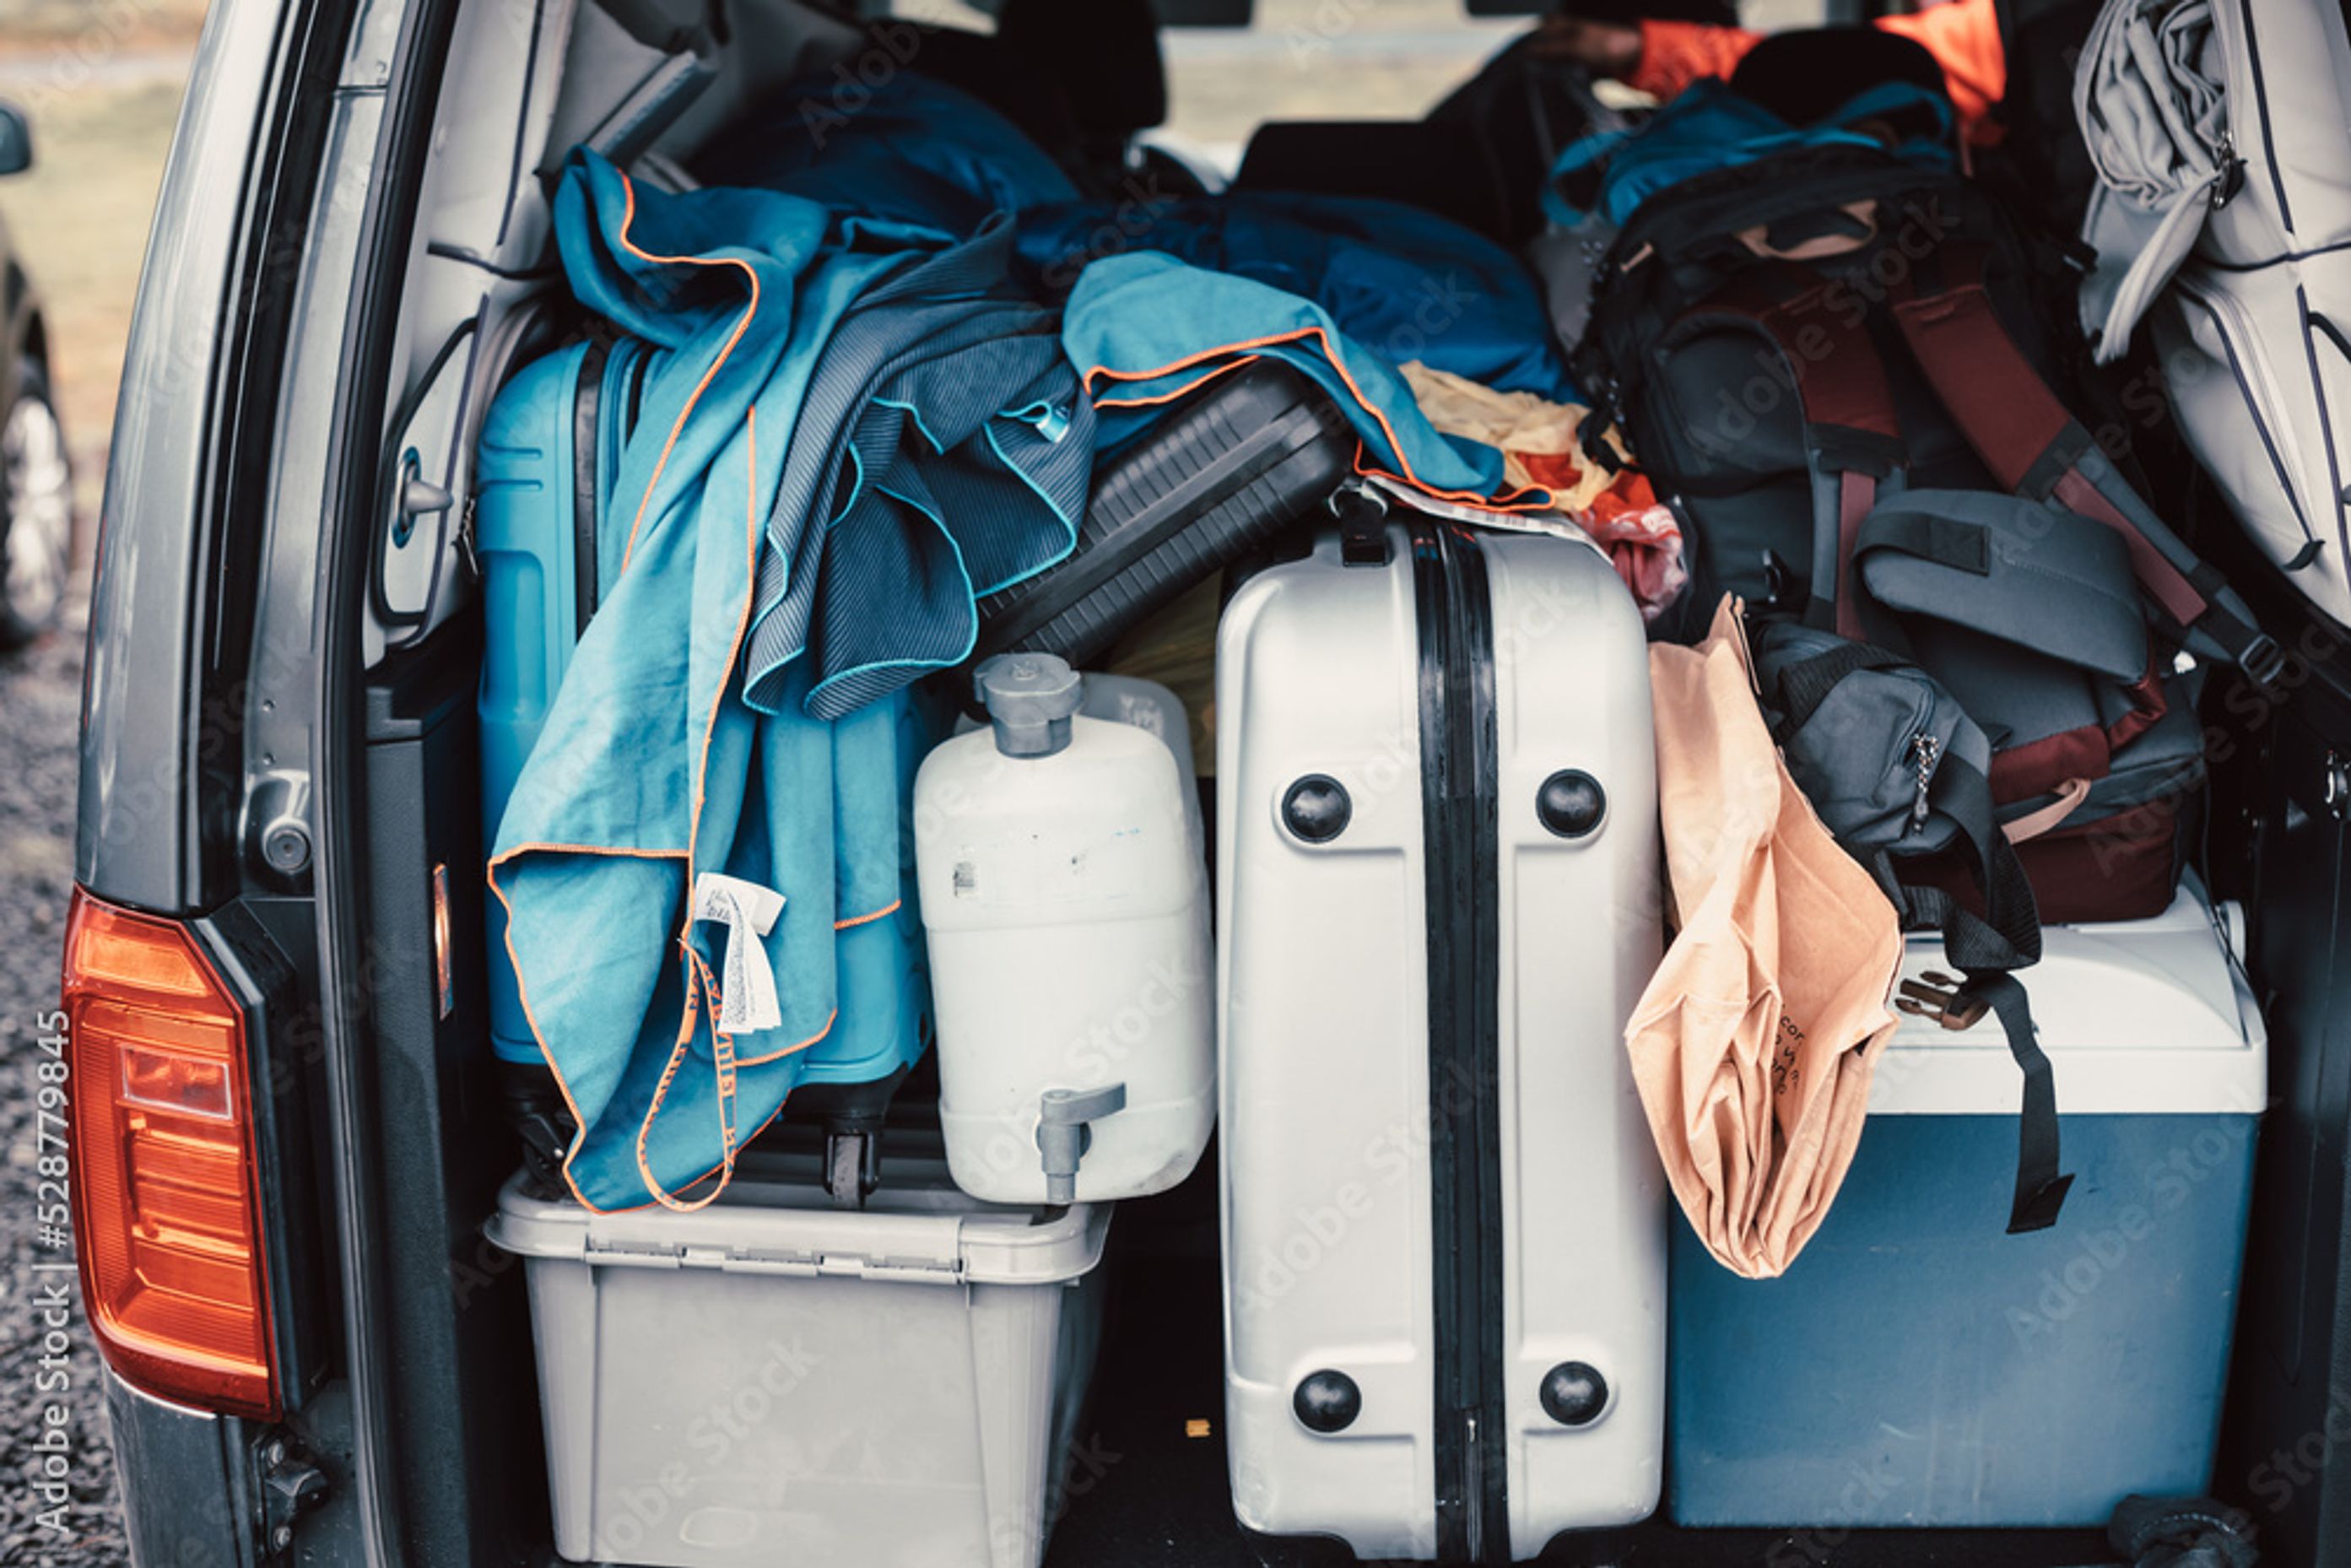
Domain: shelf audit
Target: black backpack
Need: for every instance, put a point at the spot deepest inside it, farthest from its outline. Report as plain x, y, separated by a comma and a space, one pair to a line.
1789, 341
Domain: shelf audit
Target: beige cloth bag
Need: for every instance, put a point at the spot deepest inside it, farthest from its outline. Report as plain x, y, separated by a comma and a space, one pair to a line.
1753, 1045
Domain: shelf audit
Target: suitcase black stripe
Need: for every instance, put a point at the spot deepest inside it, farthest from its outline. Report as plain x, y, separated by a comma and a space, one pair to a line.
1461, 834
586, 414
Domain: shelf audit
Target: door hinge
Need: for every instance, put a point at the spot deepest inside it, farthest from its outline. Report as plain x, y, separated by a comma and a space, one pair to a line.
291, 1485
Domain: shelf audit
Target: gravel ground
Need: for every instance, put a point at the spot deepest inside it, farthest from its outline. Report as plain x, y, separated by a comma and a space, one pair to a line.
41, 694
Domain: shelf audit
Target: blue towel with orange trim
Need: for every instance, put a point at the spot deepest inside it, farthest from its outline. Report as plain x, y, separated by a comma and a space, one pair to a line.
705, 884
1144, 329
1407, 282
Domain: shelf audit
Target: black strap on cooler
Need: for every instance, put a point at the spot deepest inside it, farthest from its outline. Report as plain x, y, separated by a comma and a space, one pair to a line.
1987, 950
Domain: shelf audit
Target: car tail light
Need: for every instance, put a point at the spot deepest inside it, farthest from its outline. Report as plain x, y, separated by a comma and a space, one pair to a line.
166, 1206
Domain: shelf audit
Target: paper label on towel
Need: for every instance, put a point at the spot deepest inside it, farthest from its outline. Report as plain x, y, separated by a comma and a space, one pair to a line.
748, 996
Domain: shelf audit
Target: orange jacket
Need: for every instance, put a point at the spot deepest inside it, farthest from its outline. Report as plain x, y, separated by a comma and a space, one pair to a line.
1963, 36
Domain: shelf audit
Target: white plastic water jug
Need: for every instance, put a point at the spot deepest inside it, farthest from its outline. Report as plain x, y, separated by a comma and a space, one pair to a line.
1130, 700
1065, 892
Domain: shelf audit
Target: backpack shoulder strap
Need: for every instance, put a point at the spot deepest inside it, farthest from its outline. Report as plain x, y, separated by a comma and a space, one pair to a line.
1853, 445
2032, 445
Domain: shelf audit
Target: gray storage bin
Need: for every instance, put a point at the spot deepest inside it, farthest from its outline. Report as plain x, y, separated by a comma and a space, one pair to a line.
773, 1381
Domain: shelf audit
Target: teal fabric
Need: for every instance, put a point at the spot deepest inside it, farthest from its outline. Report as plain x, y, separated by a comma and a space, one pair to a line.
944, 418
1709, 127
1408, 283
910, 147
652, 770
1142, 328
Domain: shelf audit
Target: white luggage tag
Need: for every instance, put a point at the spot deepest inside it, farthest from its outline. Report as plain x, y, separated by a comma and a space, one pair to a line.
1556, 524
748, 1002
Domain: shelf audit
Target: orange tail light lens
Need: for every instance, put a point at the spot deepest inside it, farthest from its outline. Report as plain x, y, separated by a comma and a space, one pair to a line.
167, 1213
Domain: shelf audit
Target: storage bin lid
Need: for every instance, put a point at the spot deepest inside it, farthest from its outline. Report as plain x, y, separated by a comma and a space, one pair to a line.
775, 1217
2136, 1017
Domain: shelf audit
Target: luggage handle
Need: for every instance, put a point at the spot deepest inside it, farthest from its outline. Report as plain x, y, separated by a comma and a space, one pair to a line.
1758, 238
1363, 515
2033, 824
408, 497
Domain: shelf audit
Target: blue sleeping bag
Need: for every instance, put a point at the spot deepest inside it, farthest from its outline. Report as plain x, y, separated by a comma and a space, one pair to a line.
1406, 283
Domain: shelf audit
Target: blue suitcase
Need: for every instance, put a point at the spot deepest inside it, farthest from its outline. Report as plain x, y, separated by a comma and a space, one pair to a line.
550, 449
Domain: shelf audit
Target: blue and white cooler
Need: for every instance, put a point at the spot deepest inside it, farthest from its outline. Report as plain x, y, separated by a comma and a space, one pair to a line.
1919, 1366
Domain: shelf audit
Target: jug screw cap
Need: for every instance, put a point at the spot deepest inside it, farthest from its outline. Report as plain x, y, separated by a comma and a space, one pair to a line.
1030, 699
1327, 1401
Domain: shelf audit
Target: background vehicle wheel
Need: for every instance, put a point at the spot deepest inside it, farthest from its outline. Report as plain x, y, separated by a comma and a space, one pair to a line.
36, 521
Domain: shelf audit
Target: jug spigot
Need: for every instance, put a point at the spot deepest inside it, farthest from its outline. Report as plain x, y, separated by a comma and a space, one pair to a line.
1064, 1134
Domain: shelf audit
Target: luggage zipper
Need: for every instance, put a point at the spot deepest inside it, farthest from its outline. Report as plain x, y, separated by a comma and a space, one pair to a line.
1460, 833
2257, 385
2253, 63
1926, 753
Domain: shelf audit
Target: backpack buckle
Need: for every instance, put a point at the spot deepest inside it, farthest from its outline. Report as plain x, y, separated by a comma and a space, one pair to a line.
1943, 998
2262, 661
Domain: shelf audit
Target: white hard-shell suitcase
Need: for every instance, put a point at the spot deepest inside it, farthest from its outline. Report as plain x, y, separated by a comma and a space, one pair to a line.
1444, 1219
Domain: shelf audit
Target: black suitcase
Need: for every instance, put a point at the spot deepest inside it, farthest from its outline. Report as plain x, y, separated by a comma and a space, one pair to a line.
1234, 466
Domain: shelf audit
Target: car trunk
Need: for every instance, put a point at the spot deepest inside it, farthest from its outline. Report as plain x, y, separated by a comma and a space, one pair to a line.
457, 1440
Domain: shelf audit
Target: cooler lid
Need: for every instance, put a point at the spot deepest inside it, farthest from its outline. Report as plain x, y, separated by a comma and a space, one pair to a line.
2136, 1017
775, 1217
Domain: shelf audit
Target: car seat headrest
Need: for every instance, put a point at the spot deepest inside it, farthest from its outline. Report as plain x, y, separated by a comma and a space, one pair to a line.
1103, 54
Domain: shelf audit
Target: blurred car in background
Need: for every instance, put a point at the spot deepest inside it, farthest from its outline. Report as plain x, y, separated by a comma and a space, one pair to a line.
36, 475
